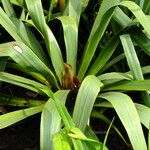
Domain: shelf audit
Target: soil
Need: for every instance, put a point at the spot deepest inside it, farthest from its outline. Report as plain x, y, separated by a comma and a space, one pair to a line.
22, 136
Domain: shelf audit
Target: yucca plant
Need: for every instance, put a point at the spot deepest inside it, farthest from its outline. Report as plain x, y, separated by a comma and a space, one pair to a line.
53, 74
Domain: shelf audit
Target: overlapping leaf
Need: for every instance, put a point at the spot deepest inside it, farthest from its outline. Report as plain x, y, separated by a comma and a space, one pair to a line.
16, 116
71, 39
26, 58
134, 63
22, 34
129, 117
37, 15
85, 100
51, 122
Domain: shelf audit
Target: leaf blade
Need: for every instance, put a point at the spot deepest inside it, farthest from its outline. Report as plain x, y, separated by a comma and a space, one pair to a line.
16, 116
85, 101
128, 116
50, 121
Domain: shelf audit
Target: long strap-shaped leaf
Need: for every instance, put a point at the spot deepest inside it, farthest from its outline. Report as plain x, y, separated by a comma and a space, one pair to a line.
138, 13
128, 115
121, 18
75, 133
131, 57
112, 77
9, 8
146, 6
37, 15
143, 111
25, 83
16, 116
50, 121
85, 100
133, 85
71, 39
26, 58
134, 63
96, 34
76, 7
104, 56
144, 114
36, 75
141, 39
20, 3
9, 100
21, 33
53, 3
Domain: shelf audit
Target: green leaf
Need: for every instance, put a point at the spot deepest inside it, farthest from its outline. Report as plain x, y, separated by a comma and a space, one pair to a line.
144, 114
134, 63
121, 18
27, 59
25, 83
101, 22
8, 8
19, 101
141, 39
129, 117
107, 133
131, 57
112, 62
75, 9
51, 122
146, 6
136, 10
61, 142
146, 69
77, 144
77, 134
9, 25
85, 100
53, 3
18, 2
37, 15
16, 116
112, 77
138, 85
35, 75
66, 118
104, 55
70, 37
64, 114
21, 33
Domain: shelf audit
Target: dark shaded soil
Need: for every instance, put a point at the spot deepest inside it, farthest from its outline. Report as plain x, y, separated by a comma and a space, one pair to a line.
23, 136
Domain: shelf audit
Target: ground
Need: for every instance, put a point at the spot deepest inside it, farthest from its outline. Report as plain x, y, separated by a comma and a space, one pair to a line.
22, 136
